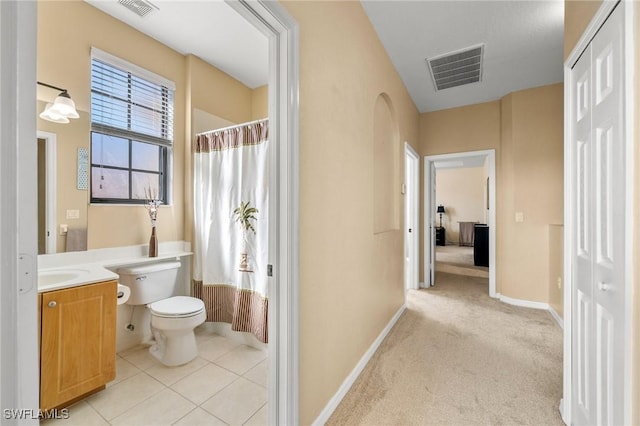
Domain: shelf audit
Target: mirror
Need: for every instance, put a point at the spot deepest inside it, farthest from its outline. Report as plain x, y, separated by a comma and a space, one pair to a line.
60, 202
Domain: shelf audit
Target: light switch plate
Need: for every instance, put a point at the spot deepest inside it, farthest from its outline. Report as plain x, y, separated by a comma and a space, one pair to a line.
73, 214
63, 229
519, 217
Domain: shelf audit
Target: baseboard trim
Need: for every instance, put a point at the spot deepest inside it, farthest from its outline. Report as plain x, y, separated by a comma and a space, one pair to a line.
523, 303
556, 317
351, 378
533, 305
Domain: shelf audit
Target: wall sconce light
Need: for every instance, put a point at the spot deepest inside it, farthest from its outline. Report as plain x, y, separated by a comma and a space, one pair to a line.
62, 108
441, 211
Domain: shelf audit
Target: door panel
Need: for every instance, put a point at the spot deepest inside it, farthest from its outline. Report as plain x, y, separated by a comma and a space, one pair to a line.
582, 182
432, 223
583, 337
599, 202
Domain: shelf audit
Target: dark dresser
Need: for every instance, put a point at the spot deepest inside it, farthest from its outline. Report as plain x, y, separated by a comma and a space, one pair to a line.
481, 245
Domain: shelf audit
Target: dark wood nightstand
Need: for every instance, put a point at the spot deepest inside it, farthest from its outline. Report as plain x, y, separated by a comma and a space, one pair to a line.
440, 236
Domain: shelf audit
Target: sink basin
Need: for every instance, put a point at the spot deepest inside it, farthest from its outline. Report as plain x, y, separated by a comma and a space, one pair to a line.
60, 276
73, 275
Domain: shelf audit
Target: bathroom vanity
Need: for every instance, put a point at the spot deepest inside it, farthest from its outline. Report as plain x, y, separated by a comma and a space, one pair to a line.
77, 306
77, 342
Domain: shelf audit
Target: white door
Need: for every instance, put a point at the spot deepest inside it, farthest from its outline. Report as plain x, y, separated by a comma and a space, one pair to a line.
412, 179
599, 228
430, 222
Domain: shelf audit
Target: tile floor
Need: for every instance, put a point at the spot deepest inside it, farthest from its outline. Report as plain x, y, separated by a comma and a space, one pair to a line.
225, 385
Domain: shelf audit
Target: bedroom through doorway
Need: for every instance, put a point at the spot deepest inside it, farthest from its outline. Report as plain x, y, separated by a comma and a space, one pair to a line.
460, 236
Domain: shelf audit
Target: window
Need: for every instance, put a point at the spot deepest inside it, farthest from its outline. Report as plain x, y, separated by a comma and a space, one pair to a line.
131, 131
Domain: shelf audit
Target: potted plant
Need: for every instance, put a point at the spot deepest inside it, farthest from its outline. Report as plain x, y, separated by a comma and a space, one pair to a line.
244, 214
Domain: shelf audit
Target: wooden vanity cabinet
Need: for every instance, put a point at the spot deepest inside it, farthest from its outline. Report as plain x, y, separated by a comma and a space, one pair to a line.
78, 342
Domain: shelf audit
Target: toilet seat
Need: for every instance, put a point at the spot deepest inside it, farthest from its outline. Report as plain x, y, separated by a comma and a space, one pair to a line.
177, 307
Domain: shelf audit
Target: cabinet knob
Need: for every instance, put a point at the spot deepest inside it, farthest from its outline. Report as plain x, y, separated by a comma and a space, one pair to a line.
604, 286
52, 304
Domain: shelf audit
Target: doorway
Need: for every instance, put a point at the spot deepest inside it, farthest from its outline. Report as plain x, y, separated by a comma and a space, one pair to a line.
18, 305
47, 152
411, 219
433, 232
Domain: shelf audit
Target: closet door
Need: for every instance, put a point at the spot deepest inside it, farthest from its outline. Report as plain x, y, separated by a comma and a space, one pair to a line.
599, 184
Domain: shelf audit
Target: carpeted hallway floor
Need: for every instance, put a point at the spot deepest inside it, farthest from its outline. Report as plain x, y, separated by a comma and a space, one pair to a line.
458, 357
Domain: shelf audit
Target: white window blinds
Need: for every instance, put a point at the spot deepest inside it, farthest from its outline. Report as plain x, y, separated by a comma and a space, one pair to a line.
130, 102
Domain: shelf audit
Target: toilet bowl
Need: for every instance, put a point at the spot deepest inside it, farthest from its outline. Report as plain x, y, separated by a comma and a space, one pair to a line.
173, 318
172, 324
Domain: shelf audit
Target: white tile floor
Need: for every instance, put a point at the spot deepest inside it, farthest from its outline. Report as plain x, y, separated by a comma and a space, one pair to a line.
225, 385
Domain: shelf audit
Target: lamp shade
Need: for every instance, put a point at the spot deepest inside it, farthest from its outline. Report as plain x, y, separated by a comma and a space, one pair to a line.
64, 106
50, 114
440, 209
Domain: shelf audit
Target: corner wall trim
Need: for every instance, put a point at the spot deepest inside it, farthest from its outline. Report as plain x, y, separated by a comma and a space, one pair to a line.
351, 378
523, 303
556, 317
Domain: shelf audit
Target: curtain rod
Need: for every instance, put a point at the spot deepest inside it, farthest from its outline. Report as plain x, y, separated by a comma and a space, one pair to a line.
222, 129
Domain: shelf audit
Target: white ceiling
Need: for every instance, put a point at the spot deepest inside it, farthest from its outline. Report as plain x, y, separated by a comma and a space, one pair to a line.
523, 41
523, 44
211, 30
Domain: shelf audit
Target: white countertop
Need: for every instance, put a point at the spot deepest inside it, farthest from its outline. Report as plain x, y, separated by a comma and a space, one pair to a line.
83, 274
65, 270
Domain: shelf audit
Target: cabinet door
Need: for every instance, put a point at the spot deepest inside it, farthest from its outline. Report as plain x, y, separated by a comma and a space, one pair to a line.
78, 342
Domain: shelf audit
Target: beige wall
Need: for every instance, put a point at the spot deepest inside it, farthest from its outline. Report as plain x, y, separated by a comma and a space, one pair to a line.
532, 184
350, 279
213, 91
526, 129
577, 15
461, 192
260, 102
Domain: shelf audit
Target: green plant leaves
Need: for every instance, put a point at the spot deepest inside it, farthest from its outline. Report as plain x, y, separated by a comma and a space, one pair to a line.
244, 214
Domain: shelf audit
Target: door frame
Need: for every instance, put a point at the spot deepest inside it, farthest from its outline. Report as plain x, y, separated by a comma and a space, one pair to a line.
429, 243
282, 31
19, 387
628, 93
19, 357
51, 149
412, 215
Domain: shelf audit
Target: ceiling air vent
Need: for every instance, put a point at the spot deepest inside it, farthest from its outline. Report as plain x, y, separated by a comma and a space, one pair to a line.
457, 68
140, 7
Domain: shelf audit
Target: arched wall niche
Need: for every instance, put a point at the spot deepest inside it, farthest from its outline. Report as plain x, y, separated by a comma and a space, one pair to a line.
386, 164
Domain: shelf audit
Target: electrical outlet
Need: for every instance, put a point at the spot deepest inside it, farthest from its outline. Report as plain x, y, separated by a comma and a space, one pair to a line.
519, 217
559, 283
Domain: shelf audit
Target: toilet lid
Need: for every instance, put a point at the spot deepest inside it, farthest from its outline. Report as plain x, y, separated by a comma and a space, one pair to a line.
177, 306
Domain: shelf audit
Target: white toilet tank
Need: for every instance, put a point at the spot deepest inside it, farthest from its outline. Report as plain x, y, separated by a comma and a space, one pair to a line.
149, 283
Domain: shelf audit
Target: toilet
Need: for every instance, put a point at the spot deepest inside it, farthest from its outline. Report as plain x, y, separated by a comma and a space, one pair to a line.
173, 318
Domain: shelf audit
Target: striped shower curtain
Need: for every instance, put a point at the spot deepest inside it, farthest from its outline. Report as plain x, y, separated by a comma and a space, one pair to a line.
230, 256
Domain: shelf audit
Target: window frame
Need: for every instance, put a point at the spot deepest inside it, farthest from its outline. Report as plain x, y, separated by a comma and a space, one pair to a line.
164, 143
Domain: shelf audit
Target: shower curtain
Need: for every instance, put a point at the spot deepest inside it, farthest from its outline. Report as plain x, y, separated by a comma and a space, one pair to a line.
231, 224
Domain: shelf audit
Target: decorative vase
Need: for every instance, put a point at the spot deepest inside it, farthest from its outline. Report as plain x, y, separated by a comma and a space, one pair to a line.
153, 243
